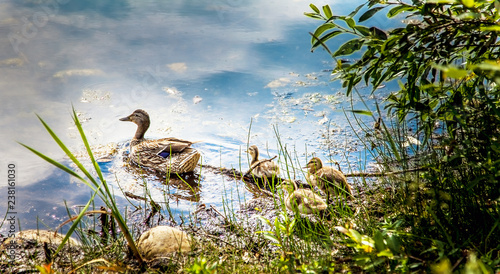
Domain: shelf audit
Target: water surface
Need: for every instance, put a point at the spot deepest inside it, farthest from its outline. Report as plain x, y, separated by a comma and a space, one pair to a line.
223, 72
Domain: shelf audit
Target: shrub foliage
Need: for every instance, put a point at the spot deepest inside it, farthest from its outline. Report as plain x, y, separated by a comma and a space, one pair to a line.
446, 58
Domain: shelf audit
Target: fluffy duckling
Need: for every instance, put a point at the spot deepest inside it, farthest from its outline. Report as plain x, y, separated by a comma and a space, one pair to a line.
169, 155
262, 168
328, 179
304, 201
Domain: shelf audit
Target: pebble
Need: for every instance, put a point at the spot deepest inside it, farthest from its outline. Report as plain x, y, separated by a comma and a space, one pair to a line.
163, 240
40, 236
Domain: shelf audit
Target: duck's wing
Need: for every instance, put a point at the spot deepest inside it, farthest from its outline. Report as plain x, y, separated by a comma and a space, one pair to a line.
313, 199
164, 147
308, 202
331, 175
264, 168
177, 140
335, 178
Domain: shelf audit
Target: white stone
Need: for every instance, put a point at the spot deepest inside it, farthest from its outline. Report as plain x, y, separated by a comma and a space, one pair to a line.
41, 236
163, 240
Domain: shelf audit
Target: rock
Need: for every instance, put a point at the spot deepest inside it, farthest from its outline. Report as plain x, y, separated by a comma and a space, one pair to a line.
40, 236
163, 240
26, 248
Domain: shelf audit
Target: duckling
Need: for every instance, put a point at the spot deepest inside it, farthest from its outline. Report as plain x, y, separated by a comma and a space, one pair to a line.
262, 168
169, 155
328, 179
304, 201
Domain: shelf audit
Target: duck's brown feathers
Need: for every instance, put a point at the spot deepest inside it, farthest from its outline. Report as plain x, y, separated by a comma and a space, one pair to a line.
262, 168
328, 179
302, 200
169, 145
169, 155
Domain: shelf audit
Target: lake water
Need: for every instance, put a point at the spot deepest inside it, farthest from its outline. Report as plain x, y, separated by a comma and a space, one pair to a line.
204, 70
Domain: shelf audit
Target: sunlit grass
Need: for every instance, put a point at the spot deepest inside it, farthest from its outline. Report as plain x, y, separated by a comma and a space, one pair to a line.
270, 240
98, 185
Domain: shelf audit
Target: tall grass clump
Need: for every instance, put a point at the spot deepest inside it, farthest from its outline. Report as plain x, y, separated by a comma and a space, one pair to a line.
98, 186
445, 116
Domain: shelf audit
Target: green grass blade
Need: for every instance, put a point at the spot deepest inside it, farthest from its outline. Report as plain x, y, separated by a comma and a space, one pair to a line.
89, 151
389, 138
76, 222
107, 193
66, 150
58, 165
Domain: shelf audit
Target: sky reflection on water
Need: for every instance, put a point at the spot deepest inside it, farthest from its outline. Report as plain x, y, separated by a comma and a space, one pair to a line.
203, 70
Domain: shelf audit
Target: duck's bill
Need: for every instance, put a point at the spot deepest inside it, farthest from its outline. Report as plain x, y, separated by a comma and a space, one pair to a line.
125, 119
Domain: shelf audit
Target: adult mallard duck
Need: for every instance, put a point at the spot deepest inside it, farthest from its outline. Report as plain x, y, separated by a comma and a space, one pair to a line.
262, 168
304, 201
328, 179
169, 155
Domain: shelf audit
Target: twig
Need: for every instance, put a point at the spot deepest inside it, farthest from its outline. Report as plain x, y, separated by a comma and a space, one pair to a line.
235, 174
204, 234
133, 196
269, 193
382, 174
218, 212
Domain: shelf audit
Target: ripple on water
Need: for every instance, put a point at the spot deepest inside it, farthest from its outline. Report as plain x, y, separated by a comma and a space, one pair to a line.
182, 194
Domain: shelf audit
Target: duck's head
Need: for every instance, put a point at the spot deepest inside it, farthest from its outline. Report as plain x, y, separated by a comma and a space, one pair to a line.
141, 119
288, 186
253, 151
314, 165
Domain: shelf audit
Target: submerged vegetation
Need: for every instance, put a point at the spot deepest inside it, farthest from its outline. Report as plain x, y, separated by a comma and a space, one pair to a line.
434, 206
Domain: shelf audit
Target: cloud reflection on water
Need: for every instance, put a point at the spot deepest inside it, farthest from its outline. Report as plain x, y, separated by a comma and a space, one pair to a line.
108, 58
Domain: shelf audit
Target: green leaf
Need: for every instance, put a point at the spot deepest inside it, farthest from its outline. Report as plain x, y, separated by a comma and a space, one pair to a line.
469, 16
488, 65
349, 47
264, 220
394, 244
353, 81
452, 71
442, 2
368, 74
350, 22
327, 11
355, 11
457, 73
369, 13
468, 3
399, 9
378, 238
89, 151
490, 28
385, 253
362, 112
320, 30
325, 38
314, 8
355, 236
378, 33
58, 165
313, 15
270, 237
363, 30
68, 152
